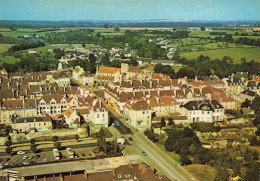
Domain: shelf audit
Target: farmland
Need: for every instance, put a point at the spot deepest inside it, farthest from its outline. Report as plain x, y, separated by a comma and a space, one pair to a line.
235, 53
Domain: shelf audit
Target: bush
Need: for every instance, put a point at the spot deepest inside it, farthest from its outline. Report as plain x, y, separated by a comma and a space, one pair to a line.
8, 150
8, 143
55, 138
33, 148
57, 145
32, 141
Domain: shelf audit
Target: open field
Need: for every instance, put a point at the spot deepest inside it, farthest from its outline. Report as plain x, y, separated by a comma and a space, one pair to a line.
8, 59
5, 47
235, 53
201, 172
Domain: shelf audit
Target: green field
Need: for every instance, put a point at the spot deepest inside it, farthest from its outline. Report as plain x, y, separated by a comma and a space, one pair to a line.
201, 172
5, 47
8, 59
235, 53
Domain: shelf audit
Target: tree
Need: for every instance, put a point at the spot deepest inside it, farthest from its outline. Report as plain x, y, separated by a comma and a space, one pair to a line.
256, 104
8, 150
115, 146
57, 145
106, 25
33, 148
150, 135
83, 45
101, 141
202, 28
77, 137
8, 143
170, 122
222, 174
163, 123
55, 138
184, 157
116, 29
32, 141
105, 60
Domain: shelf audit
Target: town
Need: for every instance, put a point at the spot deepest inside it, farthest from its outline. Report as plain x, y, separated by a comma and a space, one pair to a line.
103, 100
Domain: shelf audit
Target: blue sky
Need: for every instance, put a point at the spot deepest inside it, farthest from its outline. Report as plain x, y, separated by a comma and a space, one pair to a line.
129, 9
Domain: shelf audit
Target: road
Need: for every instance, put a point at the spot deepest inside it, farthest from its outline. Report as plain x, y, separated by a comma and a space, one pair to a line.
162, 162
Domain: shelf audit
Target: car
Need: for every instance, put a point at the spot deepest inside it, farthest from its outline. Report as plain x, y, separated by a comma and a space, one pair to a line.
144, 153
20, 152
25, 163
30, 157
37, 156
25, 157
130, 139
6, 159
44, 161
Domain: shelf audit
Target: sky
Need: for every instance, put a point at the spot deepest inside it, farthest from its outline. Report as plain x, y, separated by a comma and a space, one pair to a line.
129, 9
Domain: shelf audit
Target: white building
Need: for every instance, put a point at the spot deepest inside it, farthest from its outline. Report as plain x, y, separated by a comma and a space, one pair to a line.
203, 111
139, 114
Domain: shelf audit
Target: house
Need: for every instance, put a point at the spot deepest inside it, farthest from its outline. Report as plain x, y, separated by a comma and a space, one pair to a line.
18, 108
77, 71
72, 118
93, 171
32, 51
104, 75
27, 124
139, 114
62, 79
86, 79
248, 94
203, 111
4, 73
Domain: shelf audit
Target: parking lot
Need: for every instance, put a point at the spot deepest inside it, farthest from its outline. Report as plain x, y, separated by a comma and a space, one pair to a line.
45, 157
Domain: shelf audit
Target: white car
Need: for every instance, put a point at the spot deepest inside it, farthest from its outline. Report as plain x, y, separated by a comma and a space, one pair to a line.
20, 152
25, 157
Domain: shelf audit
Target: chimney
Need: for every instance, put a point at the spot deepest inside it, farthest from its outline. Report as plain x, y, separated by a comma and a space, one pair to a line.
113, 172
131, 164
143, 169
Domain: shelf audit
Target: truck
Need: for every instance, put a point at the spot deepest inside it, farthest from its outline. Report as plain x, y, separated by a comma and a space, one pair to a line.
70, 152
121, 141
56, 154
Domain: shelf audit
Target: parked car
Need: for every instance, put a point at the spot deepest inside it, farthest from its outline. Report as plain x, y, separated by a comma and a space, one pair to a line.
37, 156
25, 157
20, 152
44, 161
144, 153
26, 163
130, 139
6, 159
31, 157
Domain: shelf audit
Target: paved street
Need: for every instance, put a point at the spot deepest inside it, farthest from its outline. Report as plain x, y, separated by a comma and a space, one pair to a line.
163, 163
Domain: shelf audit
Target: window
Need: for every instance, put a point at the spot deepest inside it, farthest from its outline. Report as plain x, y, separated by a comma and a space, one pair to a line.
103, 115
39, 124
44, 124
30, 125
119, 176
127, 175
97, 115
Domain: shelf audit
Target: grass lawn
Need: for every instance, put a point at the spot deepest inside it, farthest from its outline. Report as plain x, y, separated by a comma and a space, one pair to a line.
8, 59
201, 172
5, 47
235, 53
173, 155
